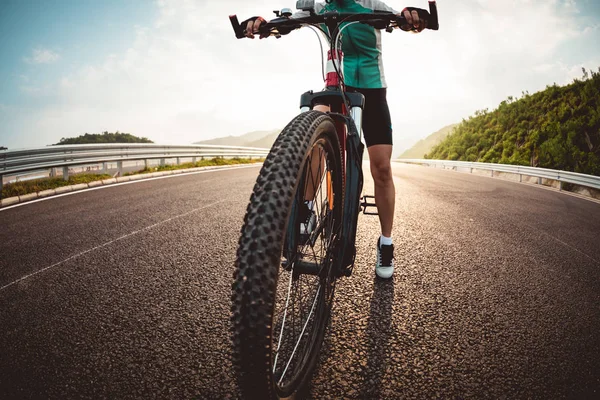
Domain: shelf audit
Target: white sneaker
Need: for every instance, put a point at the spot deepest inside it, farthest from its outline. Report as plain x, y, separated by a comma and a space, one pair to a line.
385, 260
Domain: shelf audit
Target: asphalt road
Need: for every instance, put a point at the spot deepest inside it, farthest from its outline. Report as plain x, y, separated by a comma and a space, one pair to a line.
124, 293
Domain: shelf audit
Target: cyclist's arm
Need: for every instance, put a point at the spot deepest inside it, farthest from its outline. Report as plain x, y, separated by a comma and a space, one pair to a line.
252, 25
414, 22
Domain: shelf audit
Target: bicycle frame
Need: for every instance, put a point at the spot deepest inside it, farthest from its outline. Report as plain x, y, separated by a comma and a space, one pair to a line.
348, 125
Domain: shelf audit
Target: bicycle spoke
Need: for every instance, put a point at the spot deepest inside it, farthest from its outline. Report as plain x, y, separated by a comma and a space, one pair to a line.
323, 234
299, 313
282, 324
301, 335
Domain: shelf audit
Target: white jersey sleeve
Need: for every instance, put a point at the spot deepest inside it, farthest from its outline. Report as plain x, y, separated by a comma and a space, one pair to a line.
302, 14
377, 5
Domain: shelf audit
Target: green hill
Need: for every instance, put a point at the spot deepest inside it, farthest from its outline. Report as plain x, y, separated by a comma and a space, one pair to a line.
424, 146
104, 137
557, 128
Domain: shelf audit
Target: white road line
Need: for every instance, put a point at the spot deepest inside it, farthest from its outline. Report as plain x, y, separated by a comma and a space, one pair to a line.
126, 183
108, 243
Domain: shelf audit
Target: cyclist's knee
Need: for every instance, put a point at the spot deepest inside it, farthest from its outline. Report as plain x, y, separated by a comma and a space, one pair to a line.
322, 108
382, 172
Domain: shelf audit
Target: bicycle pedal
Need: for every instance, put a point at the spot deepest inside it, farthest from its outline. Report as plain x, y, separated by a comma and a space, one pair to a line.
364, 204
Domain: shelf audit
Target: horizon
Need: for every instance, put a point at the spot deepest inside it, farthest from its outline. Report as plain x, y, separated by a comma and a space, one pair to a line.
173, 71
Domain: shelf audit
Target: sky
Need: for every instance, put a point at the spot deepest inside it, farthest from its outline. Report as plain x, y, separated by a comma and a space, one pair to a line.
173, 71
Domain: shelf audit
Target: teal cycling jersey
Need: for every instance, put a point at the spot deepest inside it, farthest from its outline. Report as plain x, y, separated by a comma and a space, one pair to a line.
361, 43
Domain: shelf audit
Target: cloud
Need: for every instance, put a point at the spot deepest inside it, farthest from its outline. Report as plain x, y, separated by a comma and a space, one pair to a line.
184, 77
591, 29
66, 83
42, 56
483, 52
187, 79
571, 5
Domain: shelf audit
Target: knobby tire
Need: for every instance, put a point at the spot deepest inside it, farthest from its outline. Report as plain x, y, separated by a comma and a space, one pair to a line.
259, 279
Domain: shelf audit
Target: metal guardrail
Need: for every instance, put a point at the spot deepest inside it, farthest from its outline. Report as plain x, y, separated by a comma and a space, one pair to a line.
47, 158
540, 173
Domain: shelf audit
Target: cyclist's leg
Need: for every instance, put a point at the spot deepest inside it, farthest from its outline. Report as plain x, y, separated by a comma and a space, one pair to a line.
322, 108
377, 128
316, 165
315, 175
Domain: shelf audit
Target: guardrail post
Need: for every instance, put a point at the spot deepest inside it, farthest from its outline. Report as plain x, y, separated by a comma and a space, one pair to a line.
492, 173
194, 160
145, 164
520, 178
560, 186
120, 168
1, 187
104, 168
162, 162
66, 173
539, 181
52, 172
178, 161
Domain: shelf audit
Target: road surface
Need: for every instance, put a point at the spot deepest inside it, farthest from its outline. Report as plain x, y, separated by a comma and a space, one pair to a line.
124, 292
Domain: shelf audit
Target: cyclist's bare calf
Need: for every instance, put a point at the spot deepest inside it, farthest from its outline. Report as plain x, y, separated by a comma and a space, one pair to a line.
385, 192
315, 175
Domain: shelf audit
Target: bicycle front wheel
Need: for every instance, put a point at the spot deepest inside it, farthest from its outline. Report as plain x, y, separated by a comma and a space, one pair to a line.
284, 278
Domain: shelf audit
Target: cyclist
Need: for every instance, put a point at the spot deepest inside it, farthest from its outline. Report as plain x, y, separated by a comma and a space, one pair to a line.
363, 72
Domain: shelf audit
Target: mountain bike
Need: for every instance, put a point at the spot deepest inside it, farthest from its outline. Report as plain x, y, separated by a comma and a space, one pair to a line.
298, 236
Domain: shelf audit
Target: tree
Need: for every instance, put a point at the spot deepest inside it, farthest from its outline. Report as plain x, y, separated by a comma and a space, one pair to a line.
104, 137
556, 128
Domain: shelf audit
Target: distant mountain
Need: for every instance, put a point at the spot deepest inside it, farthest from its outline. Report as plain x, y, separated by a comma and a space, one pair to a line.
252, 139
265, 139
424, 146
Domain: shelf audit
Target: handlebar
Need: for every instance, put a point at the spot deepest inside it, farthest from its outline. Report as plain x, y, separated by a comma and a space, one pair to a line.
433, 23
237, 28
378, 19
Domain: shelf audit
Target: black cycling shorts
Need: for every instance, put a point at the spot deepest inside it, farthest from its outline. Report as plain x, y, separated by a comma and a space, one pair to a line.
377, 122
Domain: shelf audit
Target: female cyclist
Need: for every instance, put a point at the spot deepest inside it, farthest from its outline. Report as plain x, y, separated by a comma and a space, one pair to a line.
363, 72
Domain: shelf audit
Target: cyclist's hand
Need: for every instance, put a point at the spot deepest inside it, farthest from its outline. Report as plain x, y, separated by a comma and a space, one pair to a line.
416, 19
251, 26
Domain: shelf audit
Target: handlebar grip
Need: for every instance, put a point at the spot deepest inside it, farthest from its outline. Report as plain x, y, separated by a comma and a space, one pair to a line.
433, 20
237, 28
